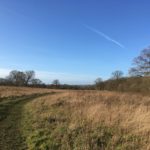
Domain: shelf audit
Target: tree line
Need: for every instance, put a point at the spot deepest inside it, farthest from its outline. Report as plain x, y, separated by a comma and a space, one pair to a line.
27, 78
20, 78
138, 79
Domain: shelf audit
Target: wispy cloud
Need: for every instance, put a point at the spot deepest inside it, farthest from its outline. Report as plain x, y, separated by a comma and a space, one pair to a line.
105, 36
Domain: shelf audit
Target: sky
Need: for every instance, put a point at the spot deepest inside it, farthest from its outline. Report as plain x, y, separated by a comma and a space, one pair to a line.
75, 41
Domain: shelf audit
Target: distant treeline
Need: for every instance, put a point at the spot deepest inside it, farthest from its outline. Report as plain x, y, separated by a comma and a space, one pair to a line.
124, 84
27, 78
128, 84
137, 81
20, 78
116, 83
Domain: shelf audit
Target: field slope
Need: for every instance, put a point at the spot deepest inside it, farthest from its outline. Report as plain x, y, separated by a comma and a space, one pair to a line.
74, 120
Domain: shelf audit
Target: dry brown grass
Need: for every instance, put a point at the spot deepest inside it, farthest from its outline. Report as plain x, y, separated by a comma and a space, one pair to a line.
84, 119
129, 113
8, 91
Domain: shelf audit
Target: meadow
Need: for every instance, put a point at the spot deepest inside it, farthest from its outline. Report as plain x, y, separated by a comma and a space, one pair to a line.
44, 119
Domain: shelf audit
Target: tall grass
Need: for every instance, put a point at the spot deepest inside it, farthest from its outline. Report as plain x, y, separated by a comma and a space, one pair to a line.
88, 120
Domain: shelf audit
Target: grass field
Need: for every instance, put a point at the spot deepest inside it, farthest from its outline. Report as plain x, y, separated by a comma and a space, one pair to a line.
43, 119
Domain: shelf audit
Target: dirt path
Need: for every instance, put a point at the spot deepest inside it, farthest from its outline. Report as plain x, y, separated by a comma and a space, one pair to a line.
10, 123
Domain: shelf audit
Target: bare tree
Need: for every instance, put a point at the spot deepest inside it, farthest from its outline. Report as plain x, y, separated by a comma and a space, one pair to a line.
56, 82
142, 64
17, 77
134, 72
99, 83
117, 74
98, 80
20, 78
30, 75
36, 81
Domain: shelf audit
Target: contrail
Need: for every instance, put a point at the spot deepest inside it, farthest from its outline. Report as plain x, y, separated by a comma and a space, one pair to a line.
105, 36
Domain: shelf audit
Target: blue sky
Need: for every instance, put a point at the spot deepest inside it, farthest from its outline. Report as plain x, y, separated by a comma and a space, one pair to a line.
73, 40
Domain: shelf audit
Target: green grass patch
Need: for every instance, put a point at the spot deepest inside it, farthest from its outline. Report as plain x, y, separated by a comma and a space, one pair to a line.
7, 103
11, 137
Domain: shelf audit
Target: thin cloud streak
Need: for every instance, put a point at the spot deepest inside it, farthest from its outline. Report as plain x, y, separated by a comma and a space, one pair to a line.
105, 36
